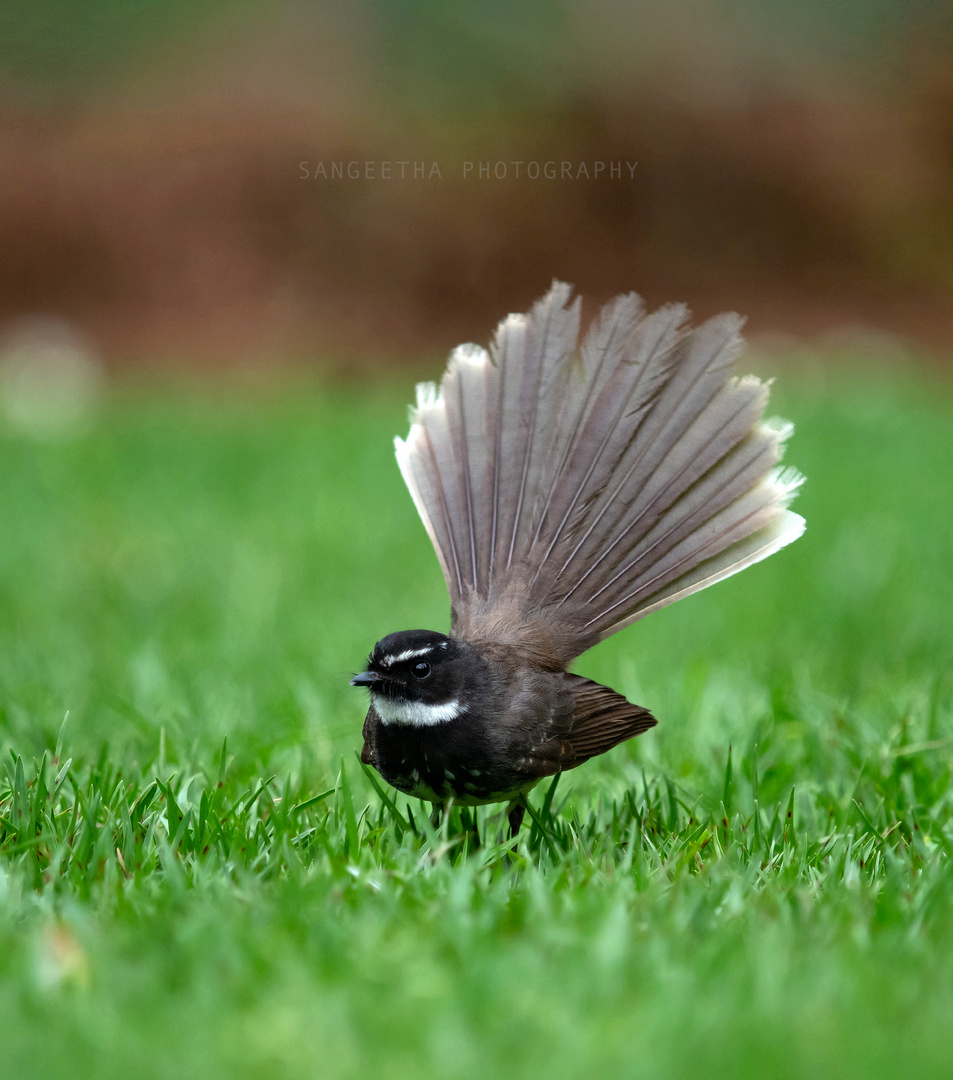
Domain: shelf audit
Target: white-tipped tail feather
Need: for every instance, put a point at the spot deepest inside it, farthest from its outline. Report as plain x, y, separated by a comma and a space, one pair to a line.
598, 484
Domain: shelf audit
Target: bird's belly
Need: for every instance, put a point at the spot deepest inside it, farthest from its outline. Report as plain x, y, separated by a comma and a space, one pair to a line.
437, 764
467, 794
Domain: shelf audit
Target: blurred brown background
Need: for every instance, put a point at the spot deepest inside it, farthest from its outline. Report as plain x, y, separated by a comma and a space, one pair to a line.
793, 164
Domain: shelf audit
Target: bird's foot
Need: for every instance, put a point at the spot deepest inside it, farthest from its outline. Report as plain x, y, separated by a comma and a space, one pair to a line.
514, 814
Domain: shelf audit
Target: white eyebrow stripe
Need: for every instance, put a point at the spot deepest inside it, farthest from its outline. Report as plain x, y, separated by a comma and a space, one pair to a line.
407, 654
415, 713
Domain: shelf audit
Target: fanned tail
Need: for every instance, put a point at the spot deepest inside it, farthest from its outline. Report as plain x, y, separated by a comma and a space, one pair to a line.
568, 493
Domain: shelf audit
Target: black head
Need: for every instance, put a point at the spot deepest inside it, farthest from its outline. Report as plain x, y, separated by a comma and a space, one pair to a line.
417, 677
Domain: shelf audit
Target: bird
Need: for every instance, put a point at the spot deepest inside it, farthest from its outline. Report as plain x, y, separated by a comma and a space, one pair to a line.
569, 489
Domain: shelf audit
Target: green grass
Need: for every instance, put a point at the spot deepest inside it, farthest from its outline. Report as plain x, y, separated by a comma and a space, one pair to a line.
196, 876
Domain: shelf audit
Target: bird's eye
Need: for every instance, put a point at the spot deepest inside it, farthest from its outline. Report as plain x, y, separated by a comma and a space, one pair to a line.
421, 670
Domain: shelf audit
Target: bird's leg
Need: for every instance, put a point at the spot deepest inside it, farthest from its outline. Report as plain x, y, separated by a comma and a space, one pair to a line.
436, 813
514, 813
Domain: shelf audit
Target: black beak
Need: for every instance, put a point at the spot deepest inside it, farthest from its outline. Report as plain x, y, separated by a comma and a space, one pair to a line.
366, 678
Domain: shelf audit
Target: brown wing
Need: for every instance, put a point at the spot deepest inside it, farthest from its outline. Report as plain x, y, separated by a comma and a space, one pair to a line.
588, 719
602, 719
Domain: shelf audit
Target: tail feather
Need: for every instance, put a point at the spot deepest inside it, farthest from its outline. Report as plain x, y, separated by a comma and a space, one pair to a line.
601, 351
615, 404
532, 355
642, 585
653, 481
596, 486
677, 517
782, 530
465, 396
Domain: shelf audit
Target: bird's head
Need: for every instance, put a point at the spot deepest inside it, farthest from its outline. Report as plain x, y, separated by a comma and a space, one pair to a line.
417, 677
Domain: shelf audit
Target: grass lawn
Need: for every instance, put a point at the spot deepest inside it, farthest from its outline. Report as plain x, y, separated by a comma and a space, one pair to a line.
198, 879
